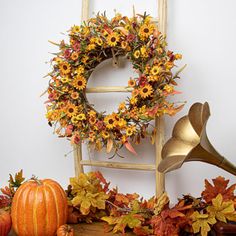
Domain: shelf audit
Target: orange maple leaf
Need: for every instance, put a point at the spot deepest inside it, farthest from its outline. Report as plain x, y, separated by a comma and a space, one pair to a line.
170, 221
220, 185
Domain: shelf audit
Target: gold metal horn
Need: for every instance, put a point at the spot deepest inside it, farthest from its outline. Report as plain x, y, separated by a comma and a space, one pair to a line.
189, 142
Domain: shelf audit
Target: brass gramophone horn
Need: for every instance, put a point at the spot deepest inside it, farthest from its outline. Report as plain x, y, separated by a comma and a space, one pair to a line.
189, 142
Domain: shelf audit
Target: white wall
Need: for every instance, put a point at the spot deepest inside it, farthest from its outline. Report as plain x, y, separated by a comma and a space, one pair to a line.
203, 31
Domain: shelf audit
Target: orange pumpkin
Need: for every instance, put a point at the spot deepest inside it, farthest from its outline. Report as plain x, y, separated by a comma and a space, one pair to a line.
39, 207
65, 230
5, 223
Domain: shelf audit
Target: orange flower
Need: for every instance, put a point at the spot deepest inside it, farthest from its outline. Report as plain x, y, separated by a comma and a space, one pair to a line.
74, 95
74, 56
131, 83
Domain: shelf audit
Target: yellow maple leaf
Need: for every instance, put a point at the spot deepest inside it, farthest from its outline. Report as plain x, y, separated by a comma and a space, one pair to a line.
161, 202
202, 222
222, 210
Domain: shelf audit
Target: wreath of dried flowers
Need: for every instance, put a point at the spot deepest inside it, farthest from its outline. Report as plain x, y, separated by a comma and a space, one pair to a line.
139, 40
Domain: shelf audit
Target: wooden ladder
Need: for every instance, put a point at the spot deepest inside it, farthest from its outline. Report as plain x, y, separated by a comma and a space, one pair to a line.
159, 121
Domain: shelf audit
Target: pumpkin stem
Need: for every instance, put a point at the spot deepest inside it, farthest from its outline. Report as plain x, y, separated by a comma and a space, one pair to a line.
35, 178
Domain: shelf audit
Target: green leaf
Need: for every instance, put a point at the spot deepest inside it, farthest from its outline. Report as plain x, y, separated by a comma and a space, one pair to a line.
17, 181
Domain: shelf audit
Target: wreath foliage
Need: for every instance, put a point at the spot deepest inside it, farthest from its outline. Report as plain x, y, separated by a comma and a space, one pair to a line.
139, 40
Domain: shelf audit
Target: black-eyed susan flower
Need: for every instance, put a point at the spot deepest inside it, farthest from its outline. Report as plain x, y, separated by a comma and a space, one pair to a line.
99, 41
143, 51
124, 44
85, 59
92, 120
155, 70
80, 70
92, 113
71, 110
146, 91
65, 79
91, 46
168, 88
178, 56
129, 131
58, 60
75, 29
137, 54
113, 39
133, 100
122, 106
79, 82
64, 68
110, 121
146, 30
74, 120
105, 134
81, 116
74, 56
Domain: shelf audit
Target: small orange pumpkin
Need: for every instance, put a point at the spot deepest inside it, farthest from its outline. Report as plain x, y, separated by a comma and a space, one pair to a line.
5, 222
39, 207
65, 230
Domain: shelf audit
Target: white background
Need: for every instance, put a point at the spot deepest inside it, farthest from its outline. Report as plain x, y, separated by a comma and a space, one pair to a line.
203, 31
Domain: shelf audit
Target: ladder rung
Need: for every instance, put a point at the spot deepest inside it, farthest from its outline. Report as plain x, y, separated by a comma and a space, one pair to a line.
109, 89
119, 165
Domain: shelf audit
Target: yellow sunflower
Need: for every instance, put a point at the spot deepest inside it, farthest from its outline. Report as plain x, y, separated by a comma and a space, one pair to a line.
155, 70
110, 121
92, 120
81, 116
79, 82
168, 88
71, 110
80, 70
131, 83
122, 106
129, 131
133, 100
113, 39
74, 120
64, 68
65, 79
121, 123
58, 60
146, 30
137, 54
75, 29
178, 56
124, 44
146, 91
92, 113
85, 59
144, 52
105, 134
74, 56
74, 95
91, 46
99, 41
169, 65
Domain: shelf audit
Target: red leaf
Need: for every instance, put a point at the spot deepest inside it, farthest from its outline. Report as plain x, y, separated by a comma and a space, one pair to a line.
130, 147
220, 185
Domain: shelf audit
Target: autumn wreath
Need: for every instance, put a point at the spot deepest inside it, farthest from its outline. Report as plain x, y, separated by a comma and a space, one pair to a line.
139, 40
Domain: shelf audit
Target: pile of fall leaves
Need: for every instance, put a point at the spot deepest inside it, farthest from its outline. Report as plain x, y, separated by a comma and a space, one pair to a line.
90, 199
